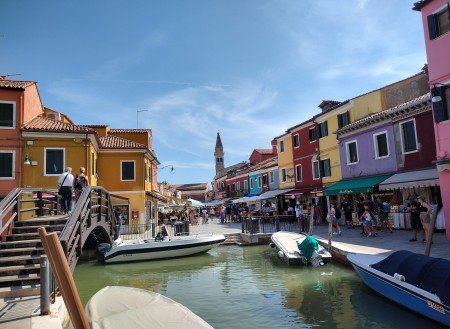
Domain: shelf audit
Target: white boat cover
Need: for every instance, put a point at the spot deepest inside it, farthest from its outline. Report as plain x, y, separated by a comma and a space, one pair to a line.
126, 307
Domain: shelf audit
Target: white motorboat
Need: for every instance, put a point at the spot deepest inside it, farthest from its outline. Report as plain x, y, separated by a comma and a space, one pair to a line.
299, 249
415, 281
125, 307
152, 249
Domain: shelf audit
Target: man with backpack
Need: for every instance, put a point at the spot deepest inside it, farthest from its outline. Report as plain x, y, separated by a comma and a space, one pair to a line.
80, 182
384, 208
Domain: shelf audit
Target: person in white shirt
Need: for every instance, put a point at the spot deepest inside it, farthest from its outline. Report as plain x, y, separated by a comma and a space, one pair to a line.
299, 215
65, 184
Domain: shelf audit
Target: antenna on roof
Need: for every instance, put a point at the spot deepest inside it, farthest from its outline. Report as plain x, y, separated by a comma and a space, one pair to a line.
11, 75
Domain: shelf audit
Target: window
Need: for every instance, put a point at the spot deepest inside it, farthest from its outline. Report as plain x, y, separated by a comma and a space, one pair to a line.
7, 115
441, 103
381, 145
259, 181
298, 173
409, 138
7, 159
271, 178
54, 161
238, 186
325, 168
283, 175
322, 129
352, 152
315, 170
343, 119
281, 146
251, 183
296, 141
127, 170
439, 22
245, 186
312, 134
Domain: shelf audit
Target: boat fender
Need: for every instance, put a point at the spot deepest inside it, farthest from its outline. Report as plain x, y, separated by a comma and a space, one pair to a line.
280, 253
272, 245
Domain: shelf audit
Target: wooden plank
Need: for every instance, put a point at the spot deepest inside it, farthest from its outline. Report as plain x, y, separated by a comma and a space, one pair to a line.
20, 267
63, 275
19, 258
20, 277
13, 250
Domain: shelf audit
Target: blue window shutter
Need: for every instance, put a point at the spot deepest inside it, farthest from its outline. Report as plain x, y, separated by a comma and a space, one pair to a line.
439, 108
433, 28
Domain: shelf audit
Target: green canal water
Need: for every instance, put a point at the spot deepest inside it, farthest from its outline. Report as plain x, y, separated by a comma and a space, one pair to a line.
249, 287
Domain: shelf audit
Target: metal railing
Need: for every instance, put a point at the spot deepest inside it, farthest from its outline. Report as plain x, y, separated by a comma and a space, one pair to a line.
146, 231
269, 224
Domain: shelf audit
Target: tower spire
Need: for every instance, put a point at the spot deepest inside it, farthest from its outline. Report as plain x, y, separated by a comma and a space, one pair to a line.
219, 154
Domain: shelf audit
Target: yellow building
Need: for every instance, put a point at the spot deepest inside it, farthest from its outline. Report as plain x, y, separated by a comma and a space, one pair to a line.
128, 169
285, 161
51, 145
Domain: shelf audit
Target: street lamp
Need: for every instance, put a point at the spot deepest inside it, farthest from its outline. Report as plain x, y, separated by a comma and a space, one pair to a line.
137, 116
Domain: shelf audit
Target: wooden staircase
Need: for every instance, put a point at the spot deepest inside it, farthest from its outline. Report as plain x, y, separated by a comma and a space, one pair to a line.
20, 256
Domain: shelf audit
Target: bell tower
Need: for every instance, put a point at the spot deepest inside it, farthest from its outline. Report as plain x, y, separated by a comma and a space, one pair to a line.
218, 154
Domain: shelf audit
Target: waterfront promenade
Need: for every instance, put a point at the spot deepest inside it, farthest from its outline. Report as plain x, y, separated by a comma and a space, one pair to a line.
23, 313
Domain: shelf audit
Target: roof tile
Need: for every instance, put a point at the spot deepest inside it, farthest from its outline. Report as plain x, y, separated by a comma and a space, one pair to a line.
113, 142
42, 123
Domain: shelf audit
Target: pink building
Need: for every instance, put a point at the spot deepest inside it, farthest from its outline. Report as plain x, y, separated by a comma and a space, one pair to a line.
436, 26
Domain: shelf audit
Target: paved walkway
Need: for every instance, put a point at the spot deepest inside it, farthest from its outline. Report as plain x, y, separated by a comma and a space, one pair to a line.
20, 313
352, 241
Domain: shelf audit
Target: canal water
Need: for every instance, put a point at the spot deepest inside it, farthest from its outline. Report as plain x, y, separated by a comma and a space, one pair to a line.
250, 287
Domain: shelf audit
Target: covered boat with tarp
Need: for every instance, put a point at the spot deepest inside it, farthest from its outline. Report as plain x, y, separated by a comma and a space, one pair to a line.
415, 281
299, 249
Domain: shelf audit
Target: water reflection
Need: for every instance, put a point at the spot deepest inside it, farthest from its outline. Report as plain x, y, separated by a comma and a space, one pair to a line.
250, 287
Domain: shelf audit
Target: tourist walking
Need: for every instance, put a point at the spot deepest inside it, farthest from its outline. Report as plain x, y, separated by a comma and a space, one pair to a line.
416, 225
368, 218
347, 209
336, 214
299, 215
425, 218
65, 183
80, 183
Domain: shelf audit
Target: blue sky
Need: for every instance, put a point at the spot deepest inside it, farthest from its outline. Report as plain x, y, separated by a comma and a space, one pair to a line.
247, 68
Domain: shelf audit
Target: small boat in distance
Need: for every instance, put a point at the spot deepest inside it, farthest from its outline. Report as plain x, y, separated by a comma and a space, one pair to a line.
415, 281
152, 249
299, 249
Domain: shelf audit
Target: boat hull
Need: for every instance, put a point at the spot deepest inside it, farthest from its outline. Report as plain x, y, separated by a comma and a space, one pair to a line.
286, 244
146, 250
400, 292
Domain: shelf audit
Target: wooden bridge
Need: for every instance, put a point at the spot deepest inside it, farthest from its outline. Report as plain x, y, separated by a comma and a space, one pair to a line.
23, 211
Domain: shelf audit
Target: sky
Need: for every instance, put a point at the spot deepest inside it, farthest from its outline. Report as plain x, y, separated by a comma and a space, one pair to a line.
187, 69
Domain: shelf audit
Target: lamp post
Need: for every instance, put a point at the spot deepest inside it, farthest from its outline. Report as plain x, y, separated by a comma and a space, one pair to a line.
137, 117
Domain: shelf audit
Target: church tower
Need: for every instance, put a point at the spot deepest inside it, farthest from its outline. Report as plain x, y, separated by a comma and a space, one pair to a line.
218, 154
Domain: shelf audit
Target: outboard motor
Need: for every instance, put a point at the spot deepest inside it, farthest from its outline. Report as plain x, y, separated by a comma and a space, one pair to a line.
102, 248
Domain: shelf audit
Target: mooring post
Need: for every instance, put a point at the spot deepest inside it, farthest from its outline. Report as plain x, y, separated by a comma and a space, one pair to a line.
45, 285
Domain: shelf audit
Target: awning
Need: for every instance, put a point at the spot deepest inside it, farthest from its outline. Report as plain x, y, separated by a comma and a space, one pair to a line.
410, 179
272, 194
356, 185
158, 196
298, 192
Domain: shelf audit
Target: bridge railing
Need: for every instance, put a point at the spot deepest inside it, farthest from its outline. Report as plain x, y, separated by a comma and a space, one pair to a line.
26, 203
93, 213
